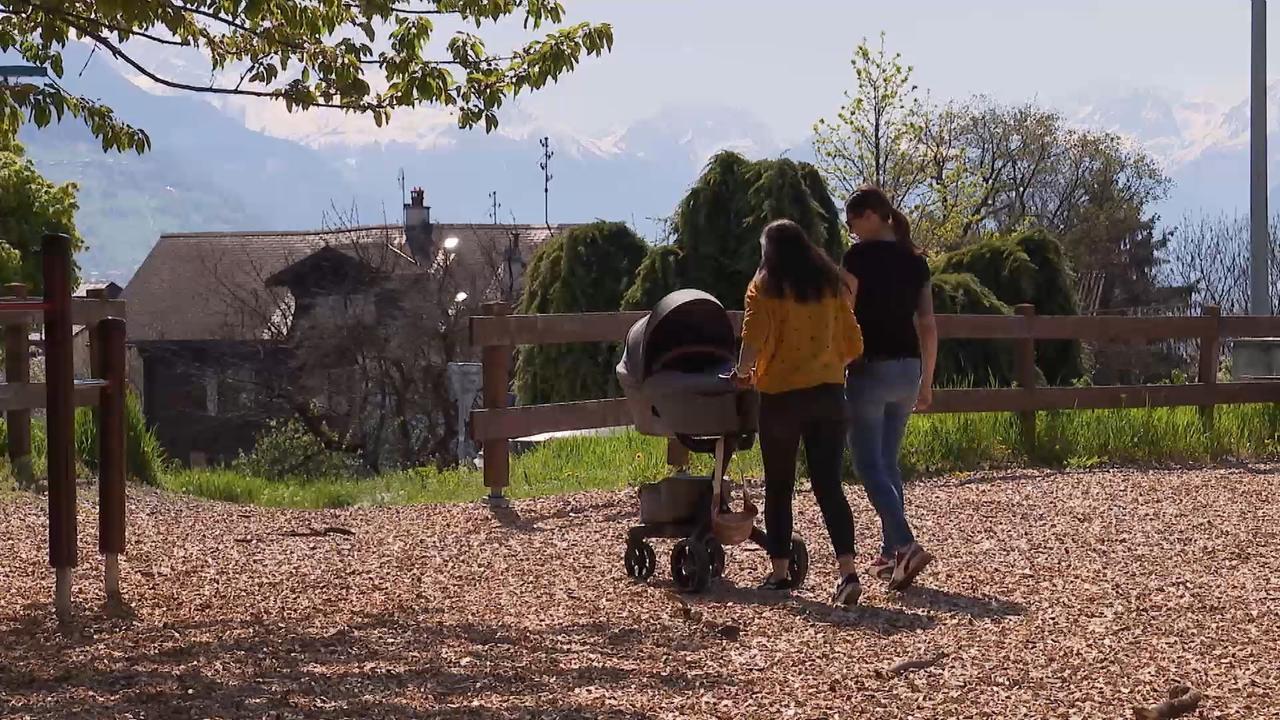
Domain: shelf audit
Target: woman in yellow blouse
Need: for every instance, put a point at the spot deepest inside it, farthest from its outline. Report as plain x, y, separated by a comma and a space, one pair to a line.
798, 334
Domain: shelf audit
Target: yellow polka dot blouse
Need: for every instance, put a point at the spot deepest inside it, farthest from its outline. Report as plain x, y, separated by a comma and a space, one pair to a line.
799, 345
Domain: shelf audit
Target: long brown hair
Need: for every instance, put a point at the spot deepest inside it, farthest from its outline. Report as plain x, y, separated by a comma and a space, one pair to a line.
870, 198
792, 266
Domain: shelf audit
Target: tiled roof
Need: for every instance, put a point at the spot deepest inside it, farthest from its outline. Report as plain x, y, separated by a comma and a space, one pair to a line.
212, 286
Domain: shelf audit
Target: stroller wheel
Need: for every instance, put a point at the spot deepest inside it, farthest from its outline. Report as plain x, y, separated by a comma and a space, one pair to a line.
690, 566
798, 569
639, 560
716, 551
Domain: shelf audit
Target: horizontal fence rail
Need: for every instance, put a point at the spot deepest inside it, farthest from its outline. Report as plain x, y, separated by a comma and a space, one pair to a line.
32, 396
513, 422
84, 311
553, 329
498, 333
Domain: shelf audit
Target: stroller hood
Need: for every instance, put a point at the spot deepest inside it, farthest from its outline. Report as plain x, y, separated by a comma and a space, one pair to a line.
685, 319
671, 368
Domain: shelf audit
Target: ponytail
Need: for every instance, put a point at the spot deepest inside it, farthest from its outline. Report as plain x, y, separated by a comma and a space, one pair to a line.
902, 229
870, 198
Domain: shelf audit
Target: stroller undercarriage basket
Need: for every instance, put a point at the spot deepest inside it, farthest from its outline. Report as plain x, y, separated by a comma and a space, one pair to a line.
675, 499
674, 373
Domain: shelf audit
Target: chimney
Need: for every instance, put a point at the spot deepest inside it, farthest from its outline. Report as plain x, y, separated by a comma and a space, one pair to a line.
417, 226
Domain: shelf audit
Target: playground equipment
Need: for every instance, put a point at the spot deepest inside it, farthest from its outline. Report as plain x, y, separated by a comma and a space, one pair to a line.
59, 395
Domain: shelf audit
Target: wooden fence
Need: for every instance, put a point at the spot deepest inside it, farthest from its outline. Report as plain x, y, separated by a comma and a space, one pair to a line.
59, 396
497, 333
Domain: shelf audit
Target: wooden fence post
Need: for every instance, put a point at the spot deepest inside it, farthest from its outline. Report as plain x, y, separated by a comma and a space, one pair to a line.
1210, 354
95, 336
60, 415
17, 369
1025, 370
111, 451
496, 361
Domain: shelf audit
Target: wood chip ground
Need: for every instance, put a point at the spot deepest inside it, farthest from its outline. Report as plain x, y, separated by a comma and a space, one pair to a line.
1055, 595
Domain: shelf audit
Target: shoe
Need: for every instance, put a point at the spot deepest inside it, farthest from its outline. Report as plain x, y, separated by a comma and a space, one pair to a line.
772, 584
882, 567
908, 562
848, 591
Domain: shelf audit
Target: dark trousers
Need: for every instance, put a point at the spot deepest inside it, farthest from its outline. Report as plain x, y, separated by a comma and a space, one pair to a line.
815, 415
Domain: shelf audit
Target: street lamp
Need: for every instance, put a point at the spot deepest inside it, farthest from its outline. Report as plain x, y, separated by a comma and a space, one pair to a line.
1259, 234
1258, 357
450, 243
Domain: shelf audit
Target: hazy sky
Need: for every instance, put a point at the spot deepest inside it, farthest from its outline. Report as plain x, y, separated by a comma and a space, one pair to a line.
787, 60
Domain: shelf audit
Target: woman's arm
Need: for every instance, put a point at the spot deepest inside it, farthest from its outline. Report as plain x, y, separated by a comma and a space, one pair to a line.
746, 364
850, 284
850, 333
755, 333
927, 330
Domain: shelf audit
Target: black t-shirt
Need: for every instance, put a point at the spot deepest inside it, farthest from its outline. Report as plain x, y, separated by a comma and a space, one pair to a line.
890, 278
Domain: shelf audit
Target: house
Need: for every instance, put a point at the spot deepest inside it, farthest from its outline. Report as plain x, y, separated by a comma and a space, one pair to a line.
80, 333
110, 290
221, 324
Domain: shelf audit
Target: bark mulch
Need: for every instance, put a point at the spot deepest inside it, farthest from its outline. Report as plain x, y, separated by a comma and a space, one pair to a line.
1055, 595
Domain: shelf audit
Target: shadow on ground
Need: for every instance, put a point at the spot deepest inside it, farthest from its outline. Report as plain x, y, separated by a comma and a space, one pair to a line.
403, 663
385, 665
978, 608
878, 620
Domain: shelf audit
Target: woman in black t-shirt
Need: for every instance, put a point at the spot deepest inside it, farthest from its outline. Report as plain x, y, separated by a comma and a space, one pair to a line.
894, 306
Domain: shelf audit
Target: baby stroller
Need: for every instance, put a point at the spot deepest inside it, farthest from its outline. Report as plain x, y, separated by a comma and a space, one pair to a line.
675, 373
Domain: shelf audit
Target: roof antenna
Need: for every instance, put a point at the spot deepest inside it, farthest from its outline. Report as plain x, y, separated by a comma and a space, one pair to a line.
403, 200
547, 154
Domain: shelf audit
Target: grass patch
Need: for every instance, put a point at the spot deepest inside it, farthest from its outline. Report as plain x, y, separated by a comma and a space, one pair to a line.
934, 444
230, 486
553, 468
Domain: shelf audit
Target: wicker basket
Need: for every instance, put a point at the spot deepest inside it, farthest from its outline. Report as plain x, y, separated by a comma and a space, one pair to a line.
732, 528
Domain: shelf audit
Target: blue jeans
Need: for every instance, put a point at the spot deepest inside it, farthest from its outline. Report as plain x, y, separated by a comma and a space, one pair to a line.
880, 395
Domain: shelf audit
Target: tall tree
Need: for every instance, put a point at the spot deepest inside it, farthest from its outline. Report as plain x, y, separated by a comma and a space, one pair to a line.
873, 137
30, 206
965, 171
970, 169
950, 189
367, 56
970, 363
717, 227
996, 169
1028, 267
585, 269
1210, 255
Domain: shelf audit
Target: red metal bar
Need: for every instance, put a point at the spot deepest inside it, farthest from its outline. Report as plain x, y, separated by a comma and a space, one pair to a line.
24, 306
60, 407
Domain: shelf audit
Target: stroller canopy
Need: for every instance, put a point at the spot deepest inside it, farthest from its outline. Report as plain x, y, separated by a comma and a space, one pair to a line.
671, 371
688, 322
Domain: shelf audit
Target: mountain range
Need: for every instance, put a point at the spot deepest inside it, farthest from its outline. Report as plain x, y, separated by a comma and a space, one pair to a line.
236, 166
1203, 146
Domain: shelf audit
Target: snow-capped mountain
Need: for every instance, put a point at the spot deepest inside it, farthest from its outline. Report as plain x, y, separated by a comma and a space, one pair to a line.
699, 132
1204, 146
249, 165
1169, 126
